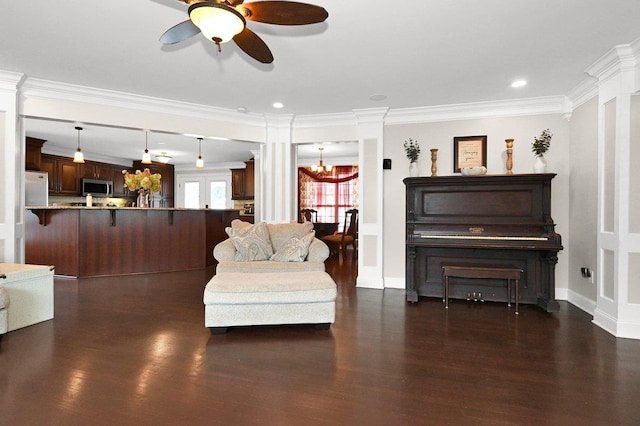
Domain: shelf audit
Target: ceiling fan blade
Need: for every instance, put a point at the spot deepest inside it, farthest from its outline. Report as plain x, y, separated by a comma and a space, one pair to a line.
253, 46
285, 12
180, 32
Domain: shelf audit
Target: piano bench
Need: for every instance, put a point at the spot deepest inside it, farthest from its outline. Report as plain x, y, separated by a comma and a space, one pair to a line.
508, 273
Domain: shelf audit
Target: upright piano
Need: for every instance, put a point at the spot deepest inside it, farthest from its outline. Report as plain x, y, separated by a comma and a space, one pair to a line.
488, 220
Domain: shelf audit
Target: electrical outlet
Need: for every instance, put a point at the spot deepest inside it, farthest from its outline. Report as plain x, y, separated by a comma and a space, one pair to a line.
586, 272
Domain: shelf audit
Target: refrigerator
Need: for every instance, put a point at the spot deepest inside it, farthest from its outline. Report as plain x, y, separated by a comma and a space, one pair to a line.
36, 189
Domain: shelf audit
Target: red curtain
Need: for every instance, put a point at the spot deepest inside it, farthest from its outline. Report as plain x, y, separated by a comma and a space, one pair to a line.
330, 195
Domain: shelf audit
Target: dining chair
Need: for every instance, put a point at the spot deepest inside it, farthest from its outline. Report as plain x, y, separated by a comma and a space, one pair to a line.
348, 236
308, 215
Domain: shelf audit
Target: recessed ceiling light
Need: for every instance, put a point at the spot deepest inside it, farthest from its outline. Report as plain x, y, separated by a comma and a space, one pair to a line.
242, 110
519, 83
378, 97
278, 105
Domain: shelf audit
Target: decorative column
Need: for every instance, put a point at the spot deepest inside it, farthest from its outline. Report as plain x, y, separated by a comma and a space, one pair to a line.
618, 272
370, 202
509, 156
12, 170
277, 184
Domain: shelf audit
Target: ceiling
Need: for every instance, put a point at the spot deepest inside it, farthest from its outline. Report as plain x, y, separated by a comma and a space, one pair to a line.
417, 53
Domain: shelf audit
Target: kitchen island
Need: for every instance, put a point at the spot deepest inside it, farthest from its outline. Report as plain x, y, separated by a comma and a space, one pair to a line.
104, 241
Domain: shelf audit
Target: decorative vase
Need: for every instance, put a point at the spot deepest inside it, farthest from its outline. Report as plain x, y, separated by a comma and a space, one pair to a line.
143, 199
540, 166
413, 169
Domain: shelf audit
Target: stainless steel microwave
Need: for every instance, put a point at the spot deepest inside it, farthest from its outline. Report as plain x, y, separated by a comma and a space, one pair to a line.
97, 188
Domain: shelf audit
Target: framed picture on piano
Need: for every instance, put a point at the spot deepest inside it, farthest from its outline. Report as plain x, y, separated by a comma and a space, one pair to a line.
469, 151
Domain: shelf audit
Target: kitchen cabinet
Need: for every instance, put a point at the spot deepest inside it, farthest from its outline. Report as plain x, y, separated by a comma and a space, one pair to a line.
164, 198
95, 170
242, 182
33, 153
64, 174
118, 182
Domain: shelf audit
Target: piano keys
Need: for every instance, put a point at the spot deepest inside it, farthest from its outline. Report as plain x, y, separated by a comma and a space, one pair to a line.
489, 220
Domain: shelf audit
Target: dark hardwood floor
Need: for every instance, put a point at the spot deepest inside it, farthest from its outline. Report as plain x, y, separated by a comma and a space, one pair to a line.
134, 351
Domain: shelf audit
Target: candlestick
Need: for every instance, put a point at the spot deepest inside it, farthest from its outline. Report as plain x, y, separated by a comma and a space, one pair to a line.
509, 155
434, 161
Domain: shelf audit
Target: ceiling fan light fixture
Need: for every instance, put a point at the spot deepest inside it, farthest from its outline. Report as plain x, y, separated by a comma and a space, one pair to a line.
218, 22
163, 158
78, 157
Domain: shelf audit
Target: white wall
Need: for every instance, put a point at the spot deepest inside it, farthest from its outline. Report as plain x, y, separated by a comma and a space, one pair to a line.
440, 135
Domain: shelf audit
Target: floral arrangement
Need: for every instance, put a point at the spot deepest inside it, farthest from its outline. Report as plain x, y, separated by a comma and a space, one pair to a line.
412, 148
142, 181
542, 143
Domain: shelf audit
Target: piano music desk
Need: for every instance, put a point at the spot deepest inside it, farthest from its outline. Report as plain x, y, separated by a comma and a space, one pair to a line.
476, 271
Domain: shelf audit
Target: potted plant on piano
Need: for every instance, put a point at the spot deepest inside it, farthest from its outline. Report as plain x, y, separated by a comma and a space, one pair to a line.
539, 147
412, 149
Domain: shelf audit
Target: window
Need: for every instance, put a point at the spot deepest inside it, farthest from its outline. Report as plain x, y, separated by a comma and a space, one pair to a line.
192, 195
207, 191
330, 195
218, 194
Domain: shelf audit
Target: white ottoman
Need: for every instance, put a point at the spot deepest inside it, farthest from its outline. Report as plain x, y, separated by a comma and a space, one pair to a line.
30, 289
241, 299
4, 304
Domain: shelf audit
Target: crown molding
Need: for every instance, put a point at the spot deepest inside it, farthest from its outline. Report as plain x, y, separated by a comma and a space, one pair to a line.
324, 120
478, 110
371, 115
621, 57
586, 90
10, 81
51, 90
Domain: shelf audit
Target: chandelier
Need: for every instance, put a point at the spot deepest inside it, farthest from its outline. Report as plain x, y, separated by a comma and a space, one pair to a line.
321, 169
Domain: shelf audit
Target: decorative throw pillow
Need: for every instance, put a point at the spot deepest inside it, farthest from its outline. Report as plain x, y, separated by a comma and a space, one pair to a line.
294, 250
251, 242
281, 233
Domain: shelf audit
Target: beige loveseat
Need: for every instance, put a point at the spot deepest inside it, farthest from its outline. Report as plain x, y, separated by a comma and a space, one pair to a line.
280, 235
288, 285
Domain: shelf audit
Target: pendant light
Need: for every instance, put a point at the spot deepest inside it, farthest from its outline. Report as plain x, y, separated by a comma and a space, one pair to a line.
146, 157
199, 162
78, 157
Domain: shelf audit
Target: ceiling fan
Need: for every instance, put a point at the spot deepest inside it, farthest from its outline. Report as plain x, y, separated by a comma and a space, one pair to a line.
224, 20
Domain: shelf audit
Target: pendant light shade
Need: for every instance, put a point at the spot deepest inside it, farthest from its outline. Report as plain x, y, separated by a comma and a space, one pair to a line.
78, 157
199, 161
146, 157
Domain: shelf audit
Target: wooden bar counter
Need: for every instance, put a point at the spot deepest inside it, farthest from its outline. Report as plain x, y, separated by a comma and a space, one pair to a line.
104, 241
